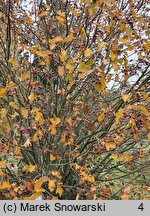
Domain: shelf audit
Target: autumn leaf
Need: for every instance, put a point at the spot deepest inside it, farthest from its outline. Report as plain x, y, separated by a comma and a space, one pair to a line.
56, 174
83, 33
118, 115
31, 97
61, 71
38, 184
3, 91
59, 190
87, 53
2, 164
27, 143
5, 185
52, 157
32, 168
63, 55
54, 123
113, 56
33, 196
43, 13
24, 112
110, 145
101, 117
83, 67
61, 19
68, 38
14, 105
126, 97
25, 76
37, 136
125, 196
113, 156
51, 184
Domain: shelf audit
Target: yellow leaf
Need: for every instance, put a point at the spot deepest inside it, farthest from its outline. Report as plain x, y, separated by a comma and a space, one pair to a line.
12, 104
101, 117
68, 38
29, 21
63, 55
122, 26
2, 174
14, 115
31, 168
13, 62
69, 121
83, 67
70, 85
123, 40
90, 179
109, 145
113, 56
56, 174
59, 190
54, 198
126, 97
118, 115
52, 157
3, 113
141, 154
3, 91
42, 63
25, 76
38, 184
5, 185
51, 184
37, 136
53, 130
61, 19
24, 112
38, 116
145, 96
44, 13
55, 121
87, 53
73, 11
31, 97
143, 109
82, 33
113, 156
2, 164
101, 45
33, 196
69, 67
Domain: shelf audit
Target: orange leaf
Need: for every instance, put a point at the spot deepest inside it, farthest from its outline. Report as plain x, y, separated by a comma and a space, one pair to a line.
2, 164
109, 145
3, 91
5, 185
119, 114
38, 184
33, 197
52, 157
59, 190
51, 185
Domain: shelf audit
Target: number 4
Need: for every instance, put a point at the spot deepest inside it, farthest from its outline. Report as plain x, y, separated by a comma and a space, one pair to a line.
141, 207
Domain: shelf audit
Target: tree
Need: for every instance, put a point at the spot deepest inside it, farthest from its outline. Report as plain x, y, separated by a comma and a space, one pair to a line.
74, 99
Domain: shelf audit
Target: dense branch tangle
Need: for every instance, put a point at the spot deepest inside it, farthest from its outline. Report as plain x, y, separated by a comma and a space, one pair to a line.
74, 93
